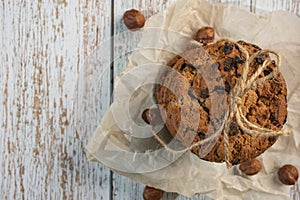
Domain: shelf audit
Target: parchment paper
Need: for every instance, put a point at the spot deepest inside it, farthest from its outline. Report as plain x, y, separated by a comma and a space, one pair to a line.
143, 160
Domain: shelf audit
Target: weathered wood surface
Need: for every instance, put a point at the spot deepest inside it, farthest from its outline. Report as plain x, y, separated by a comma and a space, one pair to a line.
43, 46
44, 121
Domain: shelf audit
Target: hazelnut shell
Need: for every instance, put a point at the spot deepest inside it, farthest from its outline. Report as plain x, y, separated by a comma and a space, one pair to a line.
205, 35
288, 174
151, 193
152, 116
250, 167
133, 19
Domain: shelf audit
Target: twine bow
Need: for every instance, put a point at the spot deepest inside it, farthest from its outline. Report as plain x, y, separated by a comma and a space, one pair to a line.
243, 85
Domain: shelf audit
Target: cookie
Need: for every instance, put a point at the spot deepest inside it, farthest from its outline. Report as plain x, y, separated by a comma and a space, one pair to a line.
194, 97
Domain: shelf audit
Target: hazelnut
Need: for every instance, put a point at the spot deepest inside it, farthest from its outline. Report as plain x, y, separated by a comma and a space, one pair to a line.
134, 19
146, 116
152, 116
205, 35
250, 167
288, 174
151, 193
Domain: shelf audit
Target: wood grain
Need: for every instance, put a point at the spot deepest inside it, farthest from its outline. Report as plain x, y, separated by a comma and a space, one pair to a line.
42, 155
259, 6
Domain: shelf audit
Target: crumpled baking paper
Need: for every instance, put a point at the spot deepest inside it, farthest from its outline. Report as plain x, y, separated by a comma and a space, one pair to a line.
123, 142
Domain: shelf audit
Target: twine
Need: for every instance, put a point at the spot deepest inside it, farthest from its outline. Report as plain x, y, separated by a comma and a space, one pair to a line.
243, 85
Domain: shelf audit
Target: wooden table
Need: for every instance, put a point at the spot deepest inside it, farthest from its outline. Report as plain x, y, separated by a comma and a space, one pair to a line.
44, 44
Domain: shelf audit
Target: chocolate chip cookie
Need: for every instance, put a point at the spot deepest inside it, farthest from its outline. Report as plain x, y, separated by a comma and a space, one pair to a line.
194, 96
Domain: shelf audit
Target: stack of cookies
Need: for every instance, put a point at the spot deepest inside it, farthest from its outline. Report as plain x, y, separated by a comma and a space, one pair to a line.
194, 97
